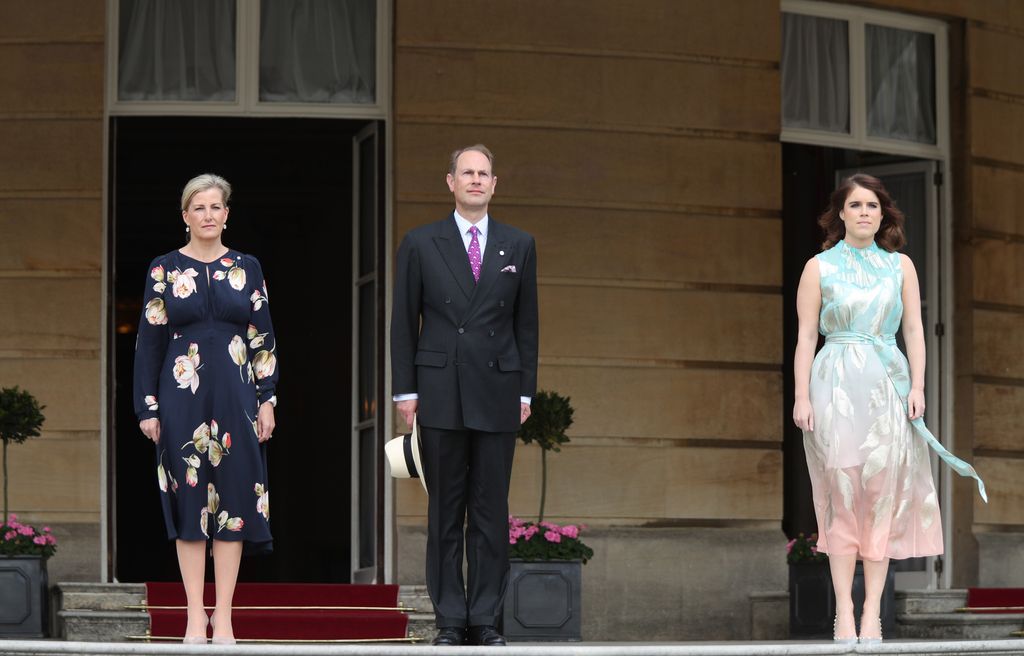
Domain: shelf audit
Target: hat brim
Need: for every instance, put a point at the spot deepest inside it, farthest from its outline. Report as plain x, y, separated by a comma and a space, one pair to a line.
403, 455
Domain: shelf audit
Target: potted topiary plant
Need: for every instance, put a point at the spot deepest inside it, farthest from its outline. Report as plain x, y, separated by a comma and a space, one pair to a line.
23, 548
543, 600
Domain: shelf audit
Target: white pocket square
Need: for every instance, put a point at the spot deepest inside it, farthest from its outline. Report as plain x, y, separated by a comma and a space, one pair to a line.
509, 269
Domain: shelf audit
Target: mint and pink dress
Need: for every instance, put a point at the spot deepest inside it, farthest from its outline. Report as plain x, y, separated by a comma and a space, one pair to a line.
869, 464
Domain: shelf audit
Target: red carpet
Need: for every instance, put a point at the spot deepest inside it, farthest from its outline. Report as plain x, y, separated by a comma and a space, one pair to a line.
997, 599
284, 621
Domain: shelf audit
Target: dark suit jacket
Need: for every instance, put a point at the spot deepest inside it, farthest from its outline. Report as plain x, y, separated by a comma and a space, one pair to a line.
468, 349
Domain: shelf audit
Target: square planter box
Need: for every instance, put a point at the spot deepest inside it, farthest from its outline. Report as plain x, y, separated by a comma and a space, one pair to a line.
543, 600
23, 596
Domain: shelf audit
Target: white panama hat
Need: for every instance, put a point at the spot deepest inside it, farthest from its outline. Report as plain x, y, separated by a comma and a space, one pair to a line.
403, 455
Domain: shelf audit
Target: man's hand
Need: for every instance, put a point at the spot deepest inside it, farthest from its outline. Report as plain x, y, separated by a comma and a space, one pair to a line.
151, 429
265, 422
408, 410
524, 412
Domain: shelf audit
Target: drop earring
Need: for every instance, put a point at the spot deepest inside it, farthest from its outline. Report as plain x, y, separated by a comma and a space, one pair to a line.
187, 230
225, 227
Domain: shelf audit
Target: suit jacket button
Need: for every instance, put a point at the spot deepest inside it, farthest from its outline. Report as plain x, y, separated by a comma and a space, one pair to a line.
501, 303
490, 364
491, 334
462, 330
447, 299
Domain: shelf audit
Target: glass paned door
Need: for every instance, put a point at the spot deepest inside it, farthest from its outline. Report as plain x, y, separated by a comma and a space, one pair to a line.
913, 187
367, 434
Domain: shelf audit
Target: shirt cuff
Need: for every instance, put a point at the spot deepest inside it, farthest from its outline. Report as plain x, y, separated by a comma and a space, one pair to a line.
405, 397
272, 401
525, 399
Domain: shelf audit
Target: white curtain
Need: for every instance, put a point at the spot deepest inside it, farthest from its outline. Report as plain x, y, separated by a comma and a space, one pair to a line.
320, 51
901, 84
815, 73
176, 50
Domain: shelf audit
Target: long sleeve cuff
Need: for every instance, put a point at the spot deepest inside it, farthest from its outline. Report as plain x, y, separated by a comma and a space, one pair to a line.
405, 397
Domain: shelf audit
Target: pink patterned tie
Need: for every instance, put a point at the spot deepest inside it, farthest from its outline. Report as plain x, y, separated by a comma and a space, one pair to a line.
474, 253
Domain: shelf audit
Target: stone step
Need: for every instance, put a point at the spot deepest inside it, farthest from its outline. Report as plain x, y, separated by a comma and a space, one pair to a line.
917, 602
421, 622
101, 625
958, 626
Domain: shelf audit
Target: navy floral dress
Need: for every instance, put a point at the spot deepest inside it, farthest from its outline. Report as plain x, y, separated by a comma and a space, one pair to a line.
205, 360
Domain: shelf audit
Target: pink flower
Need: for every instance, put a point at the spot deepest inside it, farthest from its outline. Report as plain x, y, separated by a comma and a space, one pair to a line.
530, 532
50, 539
552, 536
789, 545
25, 530
39, 539
549, 526
12, 519
46, 529
814, 549
10, 535
511, 539
570, 531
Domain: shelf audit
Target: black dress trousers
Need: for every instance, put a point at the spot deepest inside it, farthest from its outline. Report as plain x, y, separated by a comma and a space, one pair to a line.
468, 474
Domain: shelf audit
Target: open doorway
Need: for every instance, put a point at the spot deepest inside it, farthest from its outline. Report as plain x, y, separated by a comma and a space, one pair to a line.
810, 173
295, 203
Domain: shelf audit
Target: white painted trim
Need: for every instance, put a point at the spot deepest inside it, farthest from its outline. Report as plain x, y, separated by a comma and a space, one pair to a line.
247, 103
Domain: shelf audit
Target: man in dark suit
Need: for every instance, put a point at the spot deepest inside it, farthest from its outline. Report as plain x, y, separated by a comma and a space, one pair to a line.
464, 362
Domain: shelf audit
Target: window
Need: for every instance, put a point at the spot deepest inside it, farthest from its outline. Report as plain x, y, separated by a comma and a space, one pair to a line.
301, 57
863, 79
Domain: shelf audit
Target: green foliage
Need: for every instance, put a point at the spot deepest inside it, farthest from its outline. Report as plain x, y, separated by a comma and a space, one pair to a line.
802, 549
550, 417
20, 415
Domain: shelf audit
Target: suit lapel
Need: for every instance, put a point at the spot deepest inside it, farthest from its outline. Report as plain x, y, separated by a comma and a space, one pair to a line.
453, 252
496, 255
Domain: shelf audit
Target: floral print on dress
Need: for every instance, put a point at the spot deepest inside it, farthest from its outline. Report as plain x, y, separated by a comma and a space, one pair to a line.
200, 320
156, 312
157, 274
186, 369
183, 283
262, 501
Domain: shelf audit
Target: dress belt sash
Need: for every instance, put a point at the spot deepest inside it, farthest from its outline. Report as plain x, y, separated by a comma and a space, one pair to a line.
883, 349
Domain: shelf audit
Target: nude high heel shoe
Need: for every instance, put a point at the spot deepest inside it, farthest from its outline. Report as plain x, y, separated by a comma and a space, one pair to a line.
871, 640
838, 640
196, 640
220, 640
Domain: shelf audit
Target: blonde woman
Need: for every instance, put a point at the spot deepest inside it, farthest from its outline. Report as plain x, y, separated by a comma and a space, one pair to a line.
205, 375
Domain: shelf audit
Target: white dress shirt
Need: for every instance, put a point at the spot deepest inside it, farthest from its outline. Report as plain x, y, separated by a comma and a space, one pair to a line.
464, 225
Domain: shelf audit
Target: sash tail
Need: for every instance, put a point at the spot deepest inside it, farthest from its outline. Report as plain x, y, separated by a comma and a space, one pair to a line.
883, 347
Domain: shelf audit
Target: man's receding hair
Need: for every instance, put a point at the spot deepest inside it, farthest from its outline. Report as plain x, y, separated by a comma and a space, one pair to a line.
480, 148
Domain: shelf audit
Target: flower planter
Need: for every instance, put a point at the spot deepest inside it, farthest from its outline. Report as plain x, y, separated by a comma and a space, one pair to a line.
812, 601
543, 600
23, 597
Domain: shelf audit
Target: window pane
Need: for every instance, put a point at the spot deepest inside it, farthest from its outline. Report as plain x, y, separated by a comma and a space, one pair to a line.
176, 50
815, 73
318, 51
367, 497
901, 84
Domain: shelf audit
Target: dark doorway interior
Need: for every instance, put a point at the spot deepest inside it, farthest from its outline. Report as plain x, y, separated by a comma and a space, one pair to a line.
292, 208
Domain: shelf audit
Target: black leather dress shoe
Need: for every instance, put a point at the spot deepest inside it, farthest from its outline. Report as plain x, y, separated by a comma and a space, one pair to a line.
487, 636
450, 635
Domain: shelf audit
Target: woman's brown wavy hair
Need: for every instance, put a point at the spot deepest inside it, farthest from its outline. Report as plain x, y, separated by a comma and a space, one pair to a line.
890, 236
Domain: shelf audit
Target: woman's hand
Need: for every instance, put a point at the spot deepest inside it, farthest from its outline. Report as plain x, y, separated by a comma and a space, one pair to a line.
151, 429
803, 414
915, 404
265, 422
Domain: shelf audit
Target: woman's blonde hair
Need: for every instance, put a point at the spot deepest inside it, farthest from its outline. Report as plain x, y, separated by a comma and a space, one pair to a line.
202, 183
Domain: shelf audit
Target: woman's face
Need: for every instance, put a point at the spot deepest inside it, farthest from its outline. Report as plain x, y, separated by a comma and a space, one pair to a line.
862, 214
206, 214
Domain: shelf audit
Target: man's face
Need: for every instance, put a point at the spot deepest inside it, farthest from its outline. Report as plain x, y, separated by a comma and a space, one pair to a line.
473, 184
